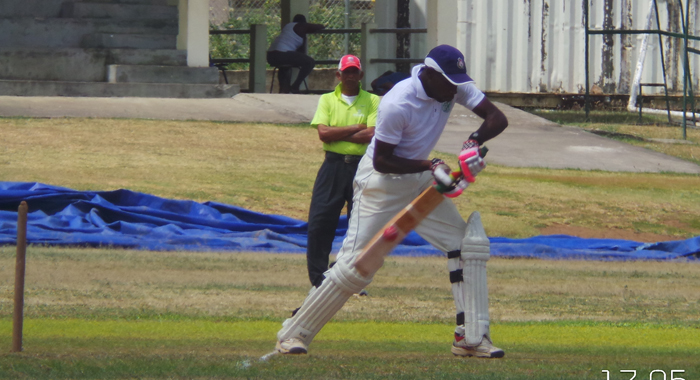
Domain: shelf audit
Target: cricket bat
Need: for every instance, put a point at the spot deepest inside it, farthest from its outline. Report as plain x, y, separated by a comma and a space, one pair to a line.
372, 256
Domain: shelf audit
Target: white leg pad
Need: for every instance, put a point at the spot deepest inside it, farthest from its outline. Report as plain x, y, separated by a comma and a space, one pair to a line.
322, 304
475, 253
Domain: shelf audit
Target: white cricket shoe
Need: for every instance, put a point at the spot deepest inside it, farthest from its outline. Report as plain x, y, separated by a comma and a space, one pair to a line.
291, 346
485, 349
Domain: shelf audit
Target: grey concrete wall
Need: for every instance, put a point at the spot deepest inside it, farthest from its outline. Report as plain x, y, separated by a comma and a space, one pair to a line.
318, 80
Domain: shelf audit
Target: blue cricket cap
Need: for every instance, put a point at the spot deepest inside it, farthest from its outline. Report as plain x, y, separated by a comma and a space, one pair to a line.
449, 61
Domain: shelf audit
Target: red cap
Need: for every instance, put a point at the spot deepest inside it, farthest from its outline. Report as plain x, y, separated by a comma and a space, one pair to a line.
349, 61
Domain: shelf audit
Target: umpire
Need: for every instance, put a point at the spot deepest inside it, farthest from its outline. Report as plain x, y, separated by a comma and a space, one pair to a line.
345, 119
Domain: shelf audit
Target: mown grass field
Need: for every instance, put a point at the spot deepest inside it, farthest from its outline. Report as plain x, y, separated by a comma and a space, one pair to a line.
133, 314
114, 314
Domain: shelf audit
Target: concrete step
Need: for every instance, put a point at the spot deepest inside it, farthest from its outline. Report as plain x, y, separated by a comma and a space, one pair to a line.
60, 64
143, 90
161, 57
57, 64
30, 8
132, 41
161, 74
146, 2
29, 32
52, 8
125, 11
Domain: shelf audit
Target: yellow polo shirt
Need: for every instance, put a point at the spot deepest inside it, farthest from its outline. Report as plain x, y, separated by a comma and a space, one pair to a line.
334, 112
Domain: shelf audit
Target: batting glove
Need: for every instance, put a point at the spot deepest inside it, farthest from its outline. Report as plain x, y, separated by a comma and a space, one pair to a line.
458, 188
470, 161
441, 173
447, 185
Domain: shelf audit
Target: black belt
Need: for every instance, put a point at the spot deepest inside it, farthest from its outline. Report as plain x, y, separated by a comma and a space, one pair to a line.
347, 158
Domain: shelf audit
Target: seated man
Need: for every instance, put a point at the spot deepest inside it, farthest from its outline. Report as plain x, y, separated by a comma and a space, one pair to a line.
289, 49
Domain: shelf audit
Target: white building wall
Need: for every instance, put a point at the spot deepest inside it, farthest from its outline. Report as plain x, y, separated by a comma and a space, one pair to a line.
539, 45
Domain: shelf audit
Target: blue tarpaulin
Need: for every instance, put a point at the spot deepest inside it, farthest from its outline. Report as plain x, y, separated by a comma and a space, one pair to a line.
126, 219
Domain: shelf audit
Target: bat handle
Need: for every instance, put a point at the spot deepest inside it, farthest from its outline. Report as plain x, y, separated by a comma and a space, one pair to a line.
483, 150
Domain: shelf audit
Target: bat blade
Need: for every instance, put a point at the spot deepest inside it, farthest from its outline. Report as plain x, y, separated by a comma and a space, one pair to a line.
372, 256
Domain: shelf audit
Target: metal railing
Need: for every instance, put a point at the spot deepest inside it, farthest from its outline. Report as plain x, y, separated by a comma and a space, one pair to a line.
370, 53
685, 37
218, 61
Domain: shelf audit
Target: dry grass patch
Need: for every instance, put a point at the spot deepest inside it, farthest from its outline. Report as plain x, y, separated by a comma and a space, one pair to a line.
255, 166
595, 200
271, 169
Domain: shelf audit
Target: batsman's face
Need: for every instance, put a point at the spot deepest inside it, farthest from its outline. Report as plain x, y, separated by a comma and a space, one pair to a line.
438, 87
445, 90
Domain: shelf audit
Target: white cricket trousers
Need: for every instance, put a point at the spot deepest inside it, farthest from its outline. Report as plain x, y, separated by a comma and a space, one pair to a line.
378, 197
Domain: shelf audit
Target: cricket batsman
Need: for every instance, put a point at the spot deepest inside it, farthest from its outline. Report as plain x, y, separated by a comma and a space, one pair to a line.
394, 171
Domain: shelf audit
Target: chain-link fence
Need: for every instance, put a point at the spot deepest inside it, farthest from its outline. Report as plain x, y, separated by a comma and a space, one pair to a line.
334, 14
240, 14
338, 14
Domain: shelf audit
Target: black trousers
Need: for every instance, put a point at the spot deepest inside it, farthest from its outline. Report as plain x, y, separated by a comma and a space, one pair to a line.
289, 59
332, 190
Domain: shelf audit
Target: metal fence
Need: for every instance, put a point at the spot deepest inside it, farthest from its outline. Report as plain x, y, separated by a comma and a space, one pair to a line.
338, 14
240, 14
334, 14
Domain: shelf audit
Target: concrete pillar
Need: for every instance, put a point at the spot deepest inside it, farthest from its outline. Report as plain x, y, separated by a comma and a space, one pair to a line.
442, 18
194, 31
290, 8
385, 18
258, 58
370, 50
462, 26
419, 19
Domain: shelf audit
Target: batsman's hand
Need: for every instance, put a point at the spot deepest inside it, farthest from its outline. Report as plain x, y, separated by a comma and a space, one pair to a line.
457, 189
470, 161
441, 172
448, 185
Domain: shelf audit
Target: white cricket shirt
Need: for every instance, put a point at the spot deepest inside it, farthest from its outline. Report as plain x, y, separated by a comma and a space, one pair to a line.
413, 121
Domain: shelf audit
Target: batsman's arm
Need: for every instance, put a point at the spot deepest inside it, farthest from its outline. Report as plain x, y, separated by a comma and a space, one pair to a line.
386, 162
494, 122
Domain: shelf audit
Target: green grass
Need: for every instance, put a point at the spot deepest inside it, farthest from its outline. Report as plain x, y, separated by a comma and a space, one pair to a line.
352, 350
119, 314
